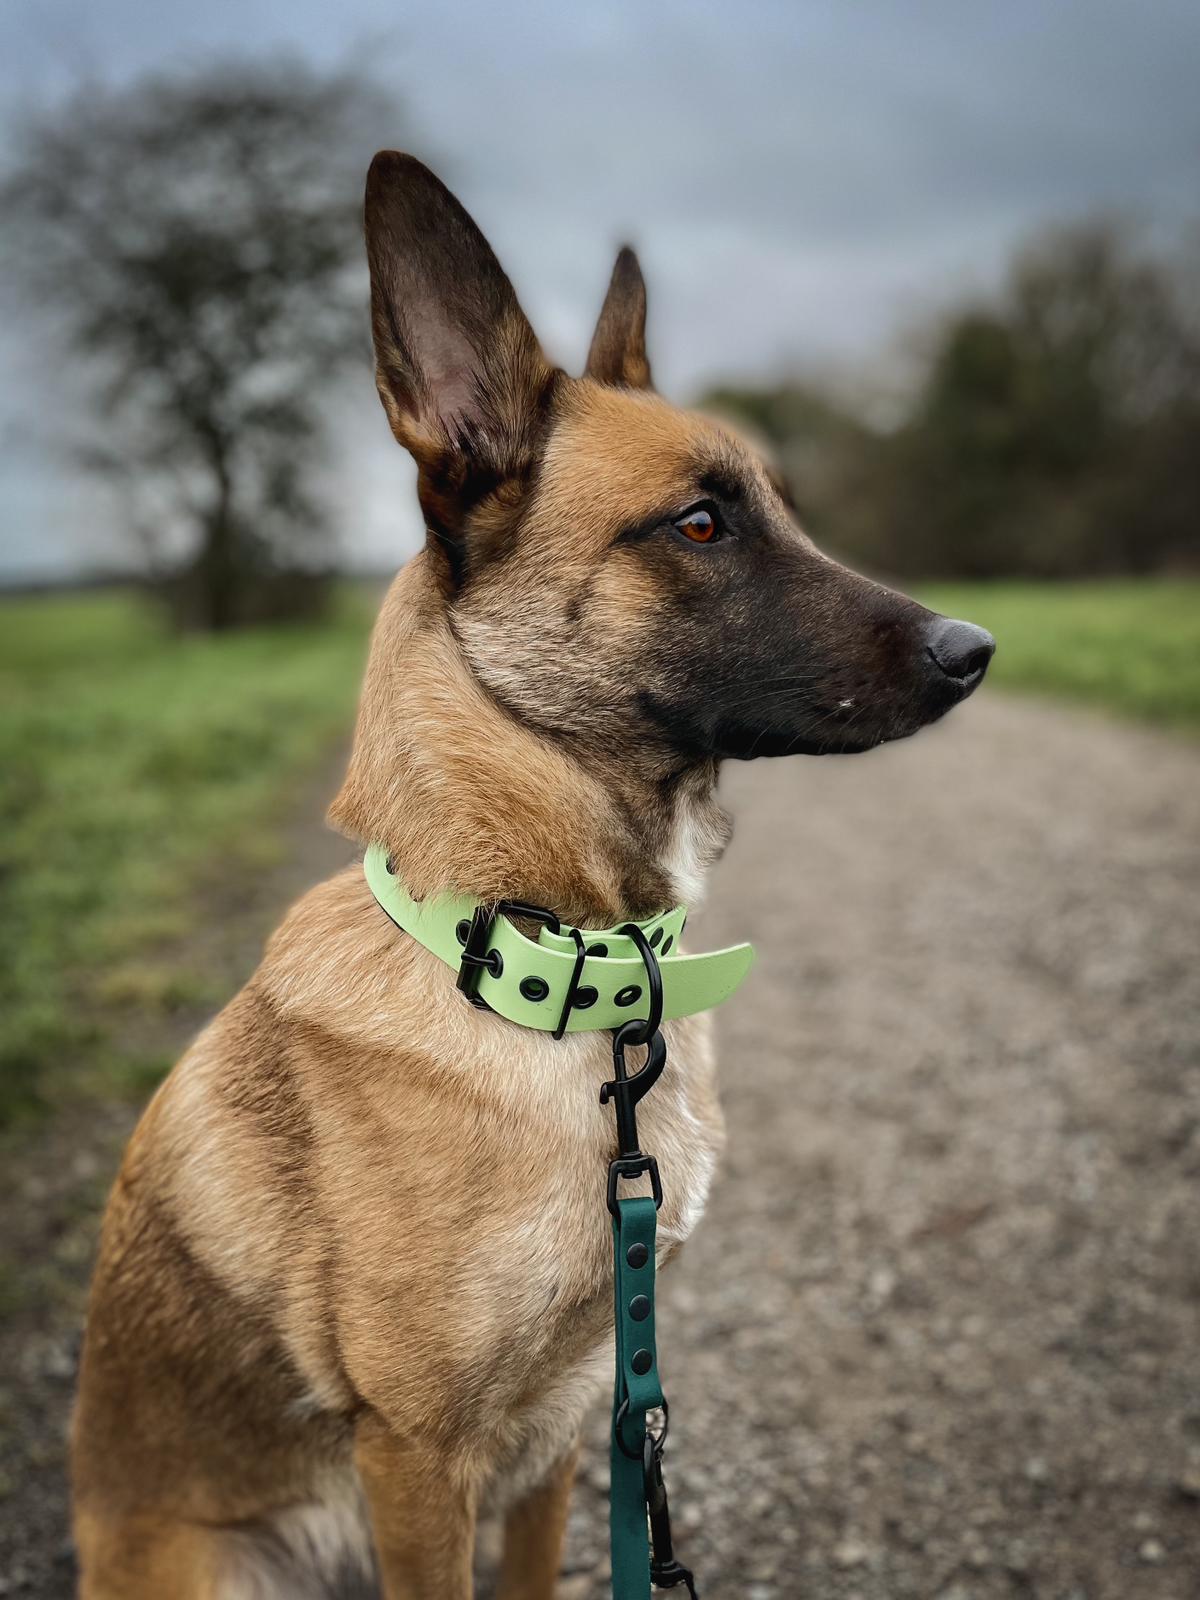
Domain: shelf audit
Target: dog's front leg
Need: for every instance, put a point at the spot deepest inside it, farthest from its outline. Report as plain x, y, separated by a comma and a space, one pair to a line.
422, 1515
533, 1536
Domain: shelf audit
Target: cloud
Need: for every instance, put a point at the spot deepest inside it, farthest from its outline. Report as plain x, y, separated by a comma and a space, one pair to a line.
799, 179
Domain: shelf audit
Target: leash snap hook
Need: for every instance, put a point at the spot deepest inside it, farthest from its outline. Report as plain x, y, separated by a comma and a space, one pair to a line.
665, 1571
626, 1091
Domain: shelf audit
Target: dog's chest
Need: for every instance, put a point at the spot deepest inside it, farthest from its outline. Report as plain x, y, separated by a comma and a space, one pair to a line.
543, 1273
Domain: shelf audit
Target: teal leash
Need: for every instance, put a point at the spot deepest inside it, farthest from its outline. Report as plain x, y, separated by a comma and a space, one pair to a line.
639, 1516
637, 1391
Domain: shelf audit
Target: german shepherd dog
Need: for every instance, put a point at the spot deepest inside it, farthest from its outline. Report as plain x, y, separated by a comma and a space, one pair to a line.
355, 1276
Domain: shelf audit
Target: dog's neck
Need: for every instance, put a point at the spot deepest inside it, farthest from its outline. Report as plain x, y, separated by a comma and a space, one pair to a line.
467, 799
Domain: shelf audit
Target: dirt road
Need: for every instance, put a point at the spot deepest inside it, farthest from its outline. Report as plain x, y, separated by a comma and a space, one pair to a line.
939, 1334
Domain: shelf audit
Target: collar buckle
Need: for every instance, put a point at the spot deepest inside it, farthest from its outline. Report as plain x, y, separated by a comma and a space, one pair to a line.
477, 959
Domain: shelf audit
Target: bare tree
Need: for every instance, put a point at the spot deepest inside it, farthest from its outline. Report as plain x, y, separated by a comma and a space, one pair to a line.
198, 240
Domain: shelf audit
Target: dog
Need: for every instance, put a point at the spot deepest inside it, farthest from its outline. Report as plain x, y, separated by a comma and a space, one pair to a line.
354, 1283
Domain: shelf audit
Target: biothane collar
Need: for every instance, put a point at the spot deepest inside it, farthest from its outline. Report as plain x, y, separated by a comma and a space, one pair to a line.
529, 981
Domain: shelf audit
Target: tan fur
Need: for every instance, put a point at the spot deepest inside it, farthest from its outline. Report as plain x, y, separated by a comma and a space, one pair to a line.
463, 797
356, 1268
295, 1210
618, 456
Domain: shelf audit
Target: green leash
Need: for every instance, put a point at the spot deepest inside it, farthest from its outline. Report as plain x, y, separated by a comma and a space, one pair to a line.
629, 979
639, 1519
635, 1392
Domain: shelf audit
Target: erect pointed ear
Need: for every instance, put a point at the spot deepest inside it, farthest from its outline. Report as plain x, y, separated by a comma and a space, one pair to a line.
461, 375
618, 353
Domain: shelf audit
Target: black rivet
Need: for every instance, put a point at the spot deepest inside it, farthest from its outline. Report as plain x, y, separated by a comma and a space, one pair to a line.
462, 930
627, 996
585, 997
637, 1255
639, 1307
641, 1361
597, 950
534, 988
495, 963
668, 942
655, 937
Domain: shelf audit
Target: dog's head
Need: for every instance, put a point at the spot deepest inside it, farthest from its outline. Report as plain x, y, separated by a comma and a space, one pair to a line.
622, 575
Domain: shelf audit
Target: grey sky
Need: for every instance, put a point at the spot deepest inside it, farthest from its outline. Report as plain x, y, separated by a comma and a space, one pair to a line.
802, 180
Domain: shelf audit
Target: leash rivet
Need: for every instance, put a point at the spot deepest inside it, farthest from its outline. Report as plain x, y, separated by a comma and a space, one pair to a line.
668, 942
627, 996
534, 988
656, 938
641, 1361
637, 1255
639, 1308
597, 950
462, 931
585, 997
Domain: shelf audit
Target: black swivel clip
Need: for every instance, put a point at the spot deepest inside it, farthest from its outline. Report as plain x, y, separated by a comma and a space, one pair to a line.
665, 1571
625, 1092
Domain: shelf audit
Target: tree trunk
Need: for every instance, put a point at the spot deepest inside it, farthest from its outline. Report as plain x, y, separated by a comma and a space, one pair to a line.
217, 566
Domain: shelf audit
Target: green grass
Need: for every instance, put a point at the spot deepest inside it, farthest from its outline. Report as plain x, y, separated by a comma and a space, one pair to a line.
137, 769
1132, 647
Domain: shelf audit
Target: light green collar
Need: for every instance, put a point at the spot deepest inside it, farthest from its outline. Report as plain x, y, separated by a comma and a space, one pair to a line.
532, 978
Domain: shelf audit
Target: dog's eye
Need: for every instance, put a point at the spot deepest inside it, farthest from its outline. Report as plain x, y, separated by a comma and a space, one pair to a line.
699, 525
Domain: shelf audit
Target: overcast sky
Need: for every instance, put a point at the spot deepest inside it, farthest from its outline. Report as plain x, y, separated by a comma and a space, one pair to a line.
802, 180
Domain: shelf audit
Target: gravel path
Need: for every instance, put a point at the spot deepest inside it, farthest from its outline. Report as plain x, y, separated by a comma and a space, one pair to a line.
939, 1334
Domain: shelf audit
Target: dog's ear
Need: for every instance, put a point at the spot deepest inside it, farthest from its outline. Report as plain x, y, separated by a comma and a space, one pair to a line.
460, 373
618, 352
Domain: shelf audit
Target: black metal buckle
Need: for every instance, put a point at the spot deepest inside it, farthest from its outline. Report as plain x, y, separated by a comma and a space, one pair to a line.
633, 1167
477, 959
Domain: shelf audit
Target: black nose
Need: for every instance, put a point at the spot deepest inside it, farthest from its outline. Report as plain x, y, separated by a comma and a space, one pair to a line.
960, 649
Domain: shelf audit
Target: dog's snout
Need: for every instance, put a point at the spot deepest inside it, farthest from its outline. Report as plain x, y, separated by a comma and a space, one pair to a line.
960, 649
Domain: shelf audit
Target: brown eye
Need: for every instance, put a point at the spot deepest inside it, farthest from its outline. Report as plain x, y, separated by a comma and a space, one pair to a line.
698, 525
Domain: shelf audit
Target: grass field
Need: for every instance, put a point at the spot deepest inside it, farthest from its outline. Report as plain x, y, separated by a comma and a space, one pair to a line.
134, 767
139, 770
1129, 647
